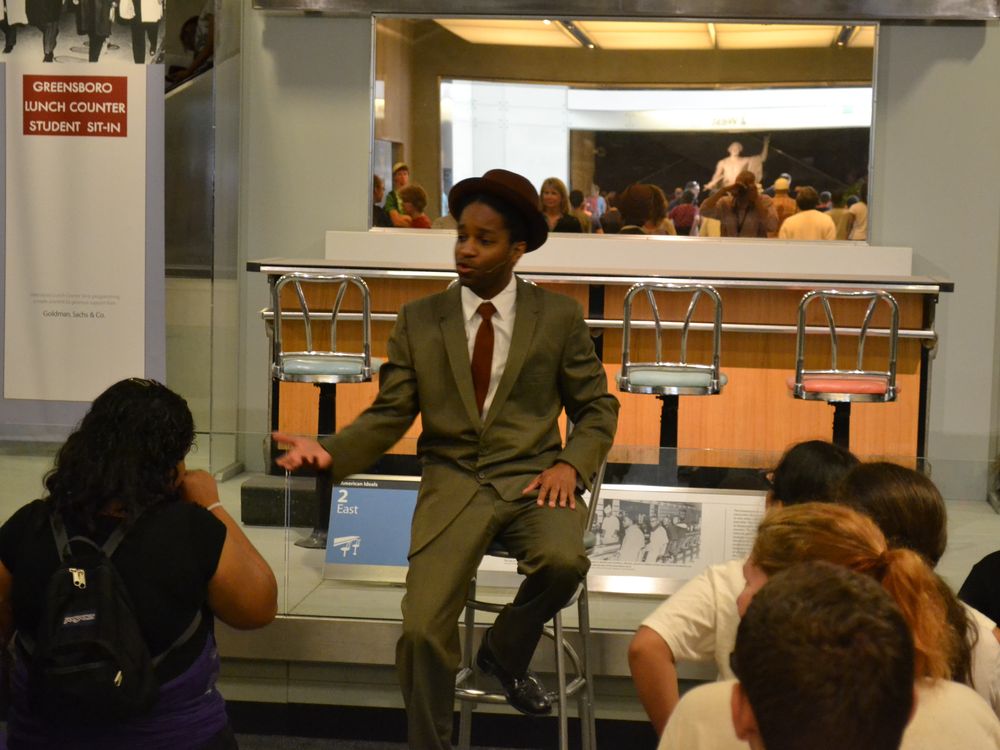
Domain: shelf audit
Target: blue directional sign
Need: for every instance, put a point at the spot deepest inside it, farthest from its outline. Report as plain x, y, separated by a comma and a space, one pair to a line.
370, 522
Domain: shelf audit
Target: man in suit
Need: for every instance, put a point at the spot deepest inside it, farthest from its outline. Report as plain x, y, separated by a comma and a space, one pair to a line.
488, 364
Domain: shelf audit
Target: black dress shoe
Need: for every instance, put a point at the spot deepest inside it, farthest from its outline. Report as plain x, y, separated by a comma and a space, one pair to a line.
524, 692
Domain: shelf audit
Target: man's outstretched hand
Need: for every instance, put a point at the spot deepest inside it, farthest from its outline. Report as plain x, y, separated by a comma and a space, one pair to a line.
303, 452
555, 485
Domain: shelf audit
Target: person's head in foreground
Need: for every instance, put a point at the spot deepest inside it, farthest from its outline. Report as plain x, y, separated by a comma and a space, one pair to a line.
824, 660
809, 472
498, 222
126, 455
839, 535
905, 504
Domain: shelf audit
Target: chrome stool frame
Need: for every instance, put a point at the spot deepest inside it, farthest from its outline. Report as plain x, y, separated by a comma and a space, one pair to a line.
838, 386
582, 684
668, 380
324, 368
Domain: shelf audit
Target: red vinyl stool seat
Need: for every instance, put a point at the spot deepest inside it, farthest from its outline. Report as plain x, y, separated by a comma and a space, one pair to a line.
839, 386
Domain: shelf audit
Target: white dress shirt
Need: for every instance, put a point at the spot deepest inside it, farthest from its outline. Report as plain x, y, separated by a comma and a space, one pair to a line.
503, 327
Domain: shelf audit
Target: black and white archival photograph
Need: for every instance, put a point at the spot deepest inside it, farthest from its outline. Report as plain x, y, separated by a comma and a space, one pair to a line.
647, 532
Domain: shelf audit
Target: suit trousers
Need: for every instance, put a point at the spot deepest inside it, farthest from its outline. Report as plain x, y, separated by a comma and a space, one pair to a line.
548, 545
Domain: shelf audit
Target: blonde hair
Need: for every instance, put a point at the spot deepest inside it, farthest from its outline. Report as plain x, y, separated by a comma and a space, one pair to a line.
836, 534
554, 183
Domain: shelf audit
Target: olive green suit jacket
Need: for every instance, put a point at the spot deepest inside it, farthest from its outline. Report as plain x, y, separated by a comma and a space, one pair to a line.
551, 365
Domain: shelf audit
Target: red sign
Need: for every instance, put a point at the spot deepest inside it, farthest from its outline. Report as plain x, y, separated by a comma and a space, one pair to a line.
95, 106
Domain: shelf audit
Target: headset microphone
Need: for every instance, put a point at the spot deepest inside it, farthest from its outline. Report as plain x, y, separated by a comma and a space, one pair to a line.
491, 269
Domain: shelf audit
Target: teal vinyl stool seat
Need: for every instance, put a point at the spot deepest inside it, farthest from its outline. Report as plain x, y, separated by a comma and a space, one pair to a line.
325, 366
669, 379
581, 686
329, 364
838, 386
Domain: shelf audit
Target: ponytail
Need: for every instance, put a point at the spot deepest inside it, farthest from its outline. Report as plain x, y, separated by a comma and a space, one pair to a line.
837, 534
918, 593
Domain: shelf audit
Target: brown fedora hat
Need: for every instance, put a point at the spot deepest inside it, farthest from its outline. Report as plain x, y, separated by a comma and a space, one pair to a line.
512, 189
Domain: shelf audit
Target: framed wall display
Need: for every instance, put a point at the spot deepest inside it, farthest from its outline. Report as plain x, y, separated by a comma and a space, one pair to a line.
651, 540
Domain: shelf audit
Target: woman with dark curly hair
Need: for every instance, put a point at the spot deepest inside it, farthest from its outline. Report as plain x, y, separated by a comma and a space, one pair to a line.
182, 554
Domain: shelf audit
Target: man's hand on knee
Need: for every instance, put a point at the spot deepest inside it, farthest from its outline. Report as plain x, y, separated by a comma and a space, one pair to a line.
555, 485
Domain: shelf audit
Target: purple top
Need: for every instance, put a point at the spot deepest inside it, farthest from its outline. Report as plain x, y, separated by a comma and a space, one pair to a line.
189, 713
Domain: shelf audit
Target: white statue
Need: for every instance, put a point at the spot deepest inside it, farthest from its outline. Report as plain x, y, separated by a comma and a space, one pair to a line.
727, 169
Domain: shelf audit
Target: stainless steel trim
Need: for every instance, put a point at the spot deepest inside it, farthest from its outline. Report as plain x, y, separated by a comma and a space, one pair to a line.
901, 286
356, 641
921, 334
839, 10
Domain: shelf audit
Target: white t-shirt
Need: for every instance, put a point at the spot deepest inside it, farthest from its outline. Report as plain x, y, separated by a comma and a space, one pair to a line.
985, 659
808, 225
699, 622
949, 715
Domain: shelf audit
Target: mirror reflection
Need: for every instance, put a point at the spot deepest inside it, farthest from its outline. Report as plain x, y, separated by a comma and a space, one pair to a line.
698, 129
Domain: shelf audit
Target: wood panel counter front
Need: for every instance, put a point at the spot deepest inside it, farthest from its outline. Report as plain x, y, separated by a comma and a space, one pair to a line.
755, 412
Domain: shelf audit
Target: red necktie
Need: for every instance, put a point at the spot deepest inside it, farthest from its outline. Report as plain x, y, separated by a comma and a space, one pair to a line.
482, 354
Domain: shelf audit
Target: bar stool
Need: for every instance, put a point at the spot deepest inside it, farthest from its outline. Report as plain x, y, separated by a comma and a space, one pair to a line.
324, 367
582, 684
840, 387
670, 380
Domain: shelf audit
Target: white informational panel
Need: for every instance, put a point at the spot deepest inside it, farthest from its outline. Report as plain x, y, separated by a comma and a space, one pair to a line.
75, 229
651, 540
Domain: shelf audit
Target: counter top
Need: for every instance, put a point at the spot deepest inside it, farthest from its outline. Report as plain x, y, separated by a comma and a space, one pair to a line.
746, 280
627, 259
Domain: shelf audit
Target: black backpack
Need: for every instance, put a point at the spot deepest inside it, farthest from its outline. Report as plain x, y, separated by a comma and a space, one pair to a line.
89, 660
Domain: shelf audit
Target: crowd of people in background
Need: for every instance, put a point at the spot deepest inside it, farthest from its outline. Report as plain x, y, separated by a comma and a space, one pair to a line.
740, 208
